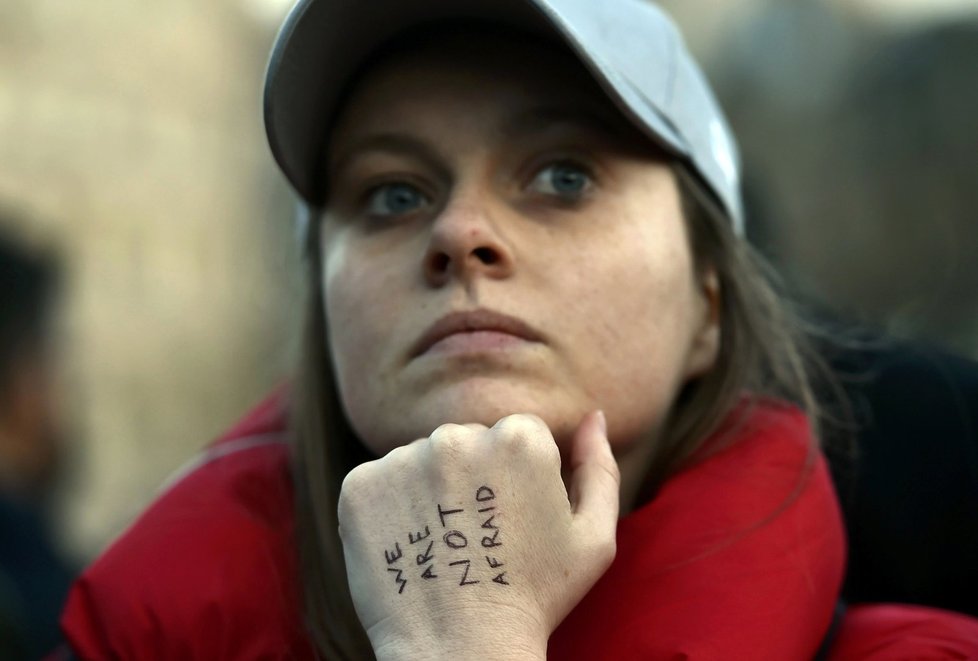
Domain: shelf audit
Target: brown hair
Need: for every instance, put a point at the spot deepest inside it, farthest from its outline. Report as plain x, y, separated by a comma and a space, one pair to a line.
324, 451
763, 352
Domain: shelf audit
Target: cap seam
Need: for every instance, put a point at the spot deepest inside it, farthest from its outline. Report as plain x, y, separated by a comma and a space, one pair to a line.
671, 81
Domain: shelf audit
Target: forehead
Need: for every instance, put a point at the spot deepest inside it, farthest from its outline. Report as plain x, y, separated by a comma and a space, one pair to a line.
464, 71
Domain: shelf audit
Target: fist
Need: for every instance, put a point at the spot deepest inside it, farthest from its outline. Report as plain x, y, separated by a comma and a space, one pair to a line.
467, 543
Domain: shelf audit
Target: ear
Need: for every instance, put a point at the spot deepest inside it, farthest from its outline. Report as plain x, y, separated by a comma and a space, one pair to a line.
705, 343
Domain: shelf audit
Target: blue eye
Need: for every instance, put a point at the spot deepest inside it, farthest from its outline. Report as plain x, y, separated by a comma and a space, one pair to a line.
567, 180
395, 200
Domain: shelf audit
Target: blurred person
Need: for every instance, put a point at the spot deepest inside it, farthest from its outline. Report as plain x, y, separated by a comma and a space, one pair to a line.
863, 149
906, 117
910, 492
34, 577
548, 405
889, 232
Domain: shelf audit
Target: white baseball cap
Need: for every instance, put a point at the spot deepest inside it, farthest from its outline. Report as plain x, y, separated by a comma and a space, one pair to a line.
631, 47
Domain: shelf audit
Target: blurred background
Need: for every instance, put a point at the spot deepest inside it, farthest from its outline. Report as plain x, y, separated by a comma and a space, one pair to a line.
132, 154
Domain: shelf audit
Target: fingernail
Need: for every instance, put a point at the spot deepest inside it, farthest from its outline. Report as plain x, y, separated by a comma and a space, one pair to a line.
602, 423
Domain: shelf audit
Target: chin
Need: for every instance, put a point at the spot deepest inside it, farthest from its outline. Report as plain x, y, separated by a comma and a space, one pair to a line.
484, 400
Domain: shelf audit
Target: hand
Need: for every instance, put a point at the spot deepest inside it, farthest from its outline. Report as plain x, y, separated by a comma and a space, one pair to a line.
466, 545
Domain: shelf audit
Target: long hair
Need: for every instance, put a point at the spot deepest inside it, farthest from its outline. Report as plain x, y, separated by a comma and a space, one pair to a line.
763, 353
324, 451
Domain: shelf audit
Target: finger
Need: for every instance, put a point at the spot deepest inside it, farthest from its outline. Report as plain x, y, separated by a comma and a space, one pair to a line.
594, 476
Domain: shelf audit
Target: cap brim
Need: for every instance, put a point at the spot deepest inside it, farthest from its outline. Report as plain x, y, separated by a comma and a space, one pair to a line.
300, 98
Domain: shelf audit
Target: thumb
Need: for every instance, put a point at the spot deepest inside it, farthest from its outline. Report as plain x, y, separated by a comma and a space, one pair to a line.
594, 477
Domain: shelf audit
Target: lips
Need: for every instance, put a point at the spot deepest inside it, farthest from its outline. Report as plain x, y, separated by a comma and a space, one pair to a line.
474, 321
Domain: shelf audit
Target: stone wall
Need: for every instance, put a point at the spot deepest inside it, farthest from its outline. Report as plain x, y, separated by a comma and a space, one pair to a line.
130, 137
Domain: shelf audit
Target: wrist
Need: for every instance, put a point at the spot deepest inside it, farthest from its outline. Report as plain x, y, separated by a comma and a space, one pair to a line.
493, 648
436, 639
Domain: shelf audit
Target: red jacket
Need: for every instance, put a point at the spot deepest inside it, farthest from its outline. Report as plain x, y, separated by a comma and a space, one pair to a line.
738, 557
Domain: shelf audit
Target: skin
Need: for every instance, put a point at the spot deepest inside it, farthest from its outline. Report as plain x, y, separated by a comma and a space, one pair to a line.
30, 430
474, 177
548, 546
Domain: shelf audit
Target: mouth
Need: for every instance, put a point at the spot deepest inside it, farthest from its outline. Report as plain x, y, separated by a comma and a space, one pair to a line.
474, 330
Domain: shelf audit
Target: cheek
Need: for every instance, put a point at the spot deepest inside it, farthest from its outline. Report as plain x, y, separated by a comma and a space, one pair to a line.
367, 302
354, 304
641, 286
638, 303
639, 329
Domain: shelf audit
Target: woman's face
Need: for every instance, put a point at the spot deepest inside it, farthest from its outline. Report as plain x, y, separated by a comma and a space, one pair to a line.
499, 240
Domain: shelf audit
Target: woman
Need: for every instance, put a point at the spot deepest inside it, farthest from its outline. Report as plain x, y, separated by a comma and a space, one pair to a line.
530, 311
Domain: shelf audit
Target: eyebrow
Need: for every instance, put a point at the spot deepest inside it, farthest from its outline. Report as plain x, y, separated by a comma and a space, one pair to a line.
526, 123
394, 143
542, 118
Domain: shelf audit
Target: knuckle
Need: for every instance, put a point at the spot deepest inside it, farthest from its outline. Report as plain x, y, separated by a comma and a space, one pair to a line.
356, 478
521, 427
449, 439
449, 430
400, 455
526, 434
354, 487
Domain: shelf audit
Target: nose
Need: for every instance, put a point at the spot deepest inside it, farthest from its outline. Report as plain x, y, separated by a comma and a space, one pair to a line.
466, 243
